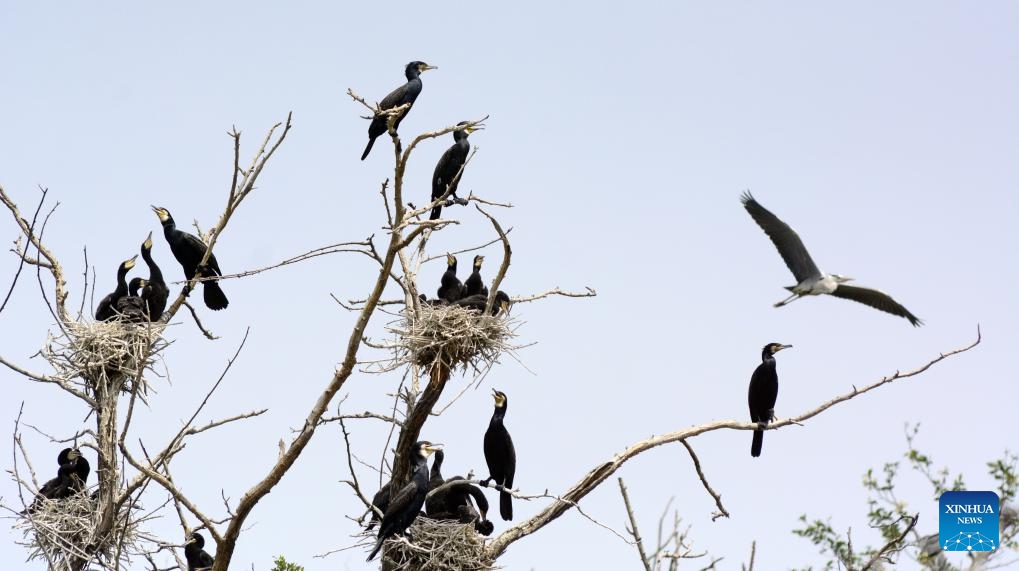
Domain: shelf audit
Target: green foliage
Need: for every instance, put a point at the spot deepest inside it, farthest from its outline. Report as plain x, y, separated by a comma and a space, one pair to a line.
888, 514
283, 565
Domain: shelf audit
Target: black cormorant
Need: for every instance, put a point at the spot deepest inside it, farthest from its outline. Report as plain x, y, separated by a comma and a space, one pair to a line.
107, 308
189, 250
197, 558
477, 302
811, 280
406, 93
448, 167
453, 500
381, 501
81, 470
474, 284
763, 393
131, 307
62, 485
450, 288
405, 505
500, 455
154, 292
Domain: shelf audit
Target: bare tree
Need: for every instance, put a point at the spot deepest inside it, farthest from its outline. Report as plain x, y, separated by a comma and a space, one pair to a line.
106, 366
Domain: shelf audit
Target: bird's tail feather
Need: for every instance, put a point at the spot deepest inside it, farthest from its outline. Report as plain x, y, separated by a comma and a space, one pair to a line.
755, 446
368, 149
215, 299
506, 506
375, 550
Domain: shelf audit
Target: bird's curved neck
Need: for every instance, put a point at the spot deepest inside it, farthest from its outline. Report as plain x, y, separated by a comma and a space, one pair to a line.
498, 414
155, 274
122, 280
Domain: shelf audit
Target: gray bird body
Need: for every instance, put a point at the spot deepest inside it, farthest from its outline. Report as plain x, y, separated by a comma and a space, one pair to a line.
810, 279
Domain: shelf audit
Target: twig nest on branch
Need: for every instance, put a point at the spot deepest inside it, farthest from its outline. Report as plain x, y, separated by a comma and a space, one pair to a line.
103, 351
438, 545
64, 530
452, 335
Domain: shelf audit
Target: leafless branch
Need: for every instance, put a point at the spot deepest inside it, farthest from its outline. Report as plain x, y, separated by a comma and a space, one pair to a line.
633, 526
600, 473
722, 512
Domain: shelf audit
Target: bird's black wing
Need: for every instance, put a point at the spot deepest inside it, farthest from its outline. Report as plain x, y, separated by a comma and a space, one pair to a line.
786, 240
876, 299
402, 500
394, 98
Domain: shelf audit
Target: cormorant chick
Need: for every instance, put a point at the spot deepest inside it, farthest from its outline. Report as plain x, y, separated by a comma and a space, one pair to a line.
197, 558
189, 251
500, 455
107, 309
477, 302
406, 93
474, 284
62, 485
763, 394
406, 504
450, 288
154, 292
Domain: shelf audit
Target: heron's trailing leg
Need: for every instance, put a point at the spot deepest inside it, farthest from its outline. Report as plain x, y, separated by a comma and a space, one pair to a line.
789, 299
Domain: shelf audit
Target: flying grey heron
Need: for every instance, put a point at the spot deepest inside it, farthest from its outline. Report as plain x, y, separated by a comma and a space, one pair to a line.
811, 280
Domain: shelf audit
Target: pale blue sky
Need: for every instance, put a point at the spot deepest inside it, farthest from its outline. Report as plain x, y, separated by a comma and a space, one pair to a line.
886, 134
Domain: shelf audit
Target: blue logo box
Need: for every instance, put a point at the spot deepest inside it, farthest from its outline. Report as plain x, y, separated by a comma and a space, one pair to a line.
968, 521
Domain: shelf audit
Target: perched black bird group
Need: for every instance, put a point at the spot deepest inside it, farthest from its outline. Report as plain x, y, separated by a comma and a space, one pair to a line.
454, 498
472, 294
144, 300
72, 474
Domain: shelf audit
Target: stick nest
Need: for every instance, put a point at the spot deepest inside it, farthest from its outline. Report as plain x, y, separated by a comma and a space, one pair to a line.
105, 353
451, 335
439, 545
63, 532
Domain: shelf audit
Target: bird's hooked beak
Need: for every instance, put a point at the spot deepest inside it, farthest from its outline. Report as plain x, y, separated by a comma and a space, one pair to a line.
780, 347
470, 129
500, 399
161, 212
426, 67
450, 259
74, 454
432, 447
130, 263
147, 244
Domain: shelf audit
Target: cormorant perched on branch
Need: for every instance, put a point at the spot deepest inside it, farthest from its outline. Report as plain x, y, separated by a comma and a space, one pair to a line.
107, 309
154, 292
197, 558
448, 167
450, 288
405, 505
189, 251
474, 284
406, 93
763, 394
62, 485
477, 302
500, 455
811, 280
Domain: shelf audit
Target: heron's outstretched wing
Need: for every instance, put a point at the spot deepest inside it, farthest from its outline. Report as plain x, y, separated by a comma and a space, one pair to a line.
877, 300
785, 239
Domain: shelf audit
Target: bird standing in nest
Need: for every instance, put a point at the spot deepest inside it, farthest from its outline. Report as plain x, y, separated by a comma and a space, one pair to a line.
450, 288
107, 308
